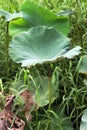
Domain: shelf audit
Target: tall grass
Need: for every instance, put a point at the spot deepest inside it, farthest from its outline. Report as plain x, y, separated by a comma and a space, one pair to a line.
72, 90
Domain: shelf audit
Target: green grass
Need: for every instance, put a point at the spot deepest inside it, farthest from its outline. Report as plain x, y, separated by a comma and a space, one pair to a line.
72, 90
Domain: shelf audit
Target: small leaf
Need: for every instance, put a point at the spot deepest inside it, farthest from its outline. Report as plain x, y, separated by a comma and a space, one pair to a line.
8, 16
65, 12
83, 125
85, 82
83, 65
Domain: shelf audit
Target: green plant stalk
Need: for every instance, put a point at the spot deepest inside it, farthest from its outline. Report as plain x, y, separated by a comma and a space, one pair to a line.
7, 46
49, 88
47, 127
49, 85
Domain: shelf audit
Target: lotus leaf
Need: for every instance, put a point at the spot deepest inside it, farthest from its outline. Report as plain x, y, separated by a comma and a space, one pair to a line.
35, 15
38, 45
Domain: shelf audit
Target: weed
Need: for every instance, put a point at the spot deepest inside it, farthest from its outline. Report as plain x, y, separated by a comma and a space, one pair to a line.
72, 91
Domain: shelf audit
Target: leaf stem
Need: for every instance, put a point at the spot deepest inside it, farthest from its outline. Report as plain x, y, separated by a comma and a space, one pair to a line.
49, 88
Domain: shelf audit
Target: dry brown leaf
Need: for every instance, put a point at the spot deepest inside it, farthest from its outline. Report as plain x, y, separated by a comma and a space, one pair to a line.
9, 103
28, 98
29, 103
2, 125
6, 117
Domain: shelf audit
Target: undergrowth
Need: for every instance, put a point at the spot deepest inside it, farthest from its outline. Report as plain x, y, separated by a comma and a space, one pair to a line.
72, 90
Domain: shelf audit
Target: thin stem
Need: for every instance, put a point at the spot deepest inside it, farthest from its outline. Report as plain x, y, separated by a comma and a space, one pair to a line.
49, 85
49, 88
7, 46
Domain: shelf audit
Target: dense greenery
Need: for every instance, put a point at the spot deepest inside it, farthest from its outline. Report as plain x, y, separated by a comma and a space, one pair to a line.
49, 39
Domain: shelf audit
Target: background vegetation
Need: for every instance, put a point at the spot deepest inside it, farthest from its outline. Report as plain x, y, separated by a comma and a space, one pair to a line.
72, 98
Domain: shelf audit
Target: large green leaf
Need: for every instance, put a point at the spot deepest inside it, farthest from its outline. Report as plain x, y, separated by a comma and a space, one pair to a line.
38, 45
19, 25
35, 15
8, 16
83, 125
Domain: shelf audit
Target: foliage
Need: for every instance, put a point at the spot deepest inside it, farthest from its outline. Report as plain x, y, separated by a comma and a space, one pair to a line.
71, 84
10, 5
40, 88
35, 15
51, 45
6, 72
